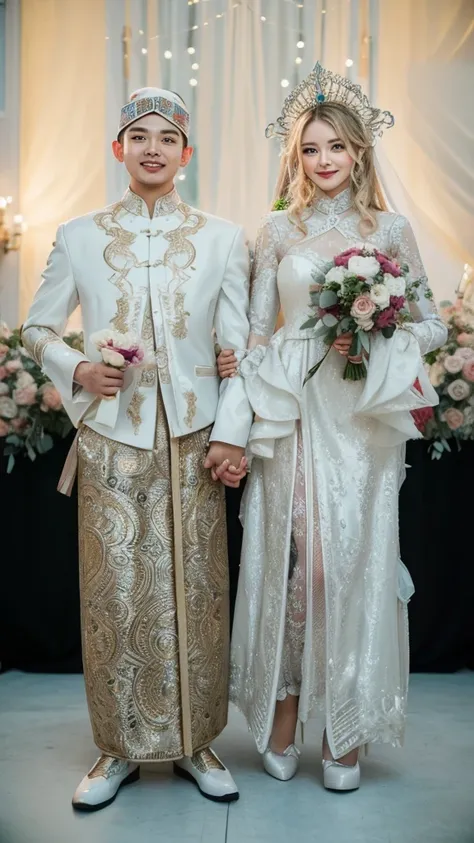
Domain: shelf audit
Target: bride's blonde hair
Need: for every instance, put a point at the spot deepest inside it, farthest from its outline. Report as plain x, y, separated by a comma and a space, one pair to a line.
294, 186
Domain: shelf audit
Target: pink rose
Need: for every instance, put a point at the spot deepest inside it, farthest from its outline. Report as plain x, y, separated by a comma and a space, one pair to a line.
386, 318
13, 366
344, 258
362, 311
466, 339
4, 428
468, 370
453, 418
25, 396
3, 373
3, 351
458, 390
397, 302
51, 398
464, 354
5, 332
453, 364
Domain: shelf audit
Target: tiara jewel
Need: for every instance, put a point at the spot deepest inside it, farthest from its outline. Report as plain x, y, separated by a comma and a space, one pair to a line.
323, 86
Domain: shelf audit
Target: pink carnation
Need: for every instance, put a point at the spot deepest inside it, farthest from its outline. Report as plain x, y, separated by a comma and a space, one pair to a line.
386, 318
468, 370
51, 398
4, 428
344, 258
25, 396
454, 418
13, 366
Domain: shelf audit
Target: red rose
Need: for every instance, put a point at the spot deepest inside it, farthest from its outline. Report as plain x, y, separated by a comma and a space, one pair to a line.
397, 302
421, 417
389, 266
386, 318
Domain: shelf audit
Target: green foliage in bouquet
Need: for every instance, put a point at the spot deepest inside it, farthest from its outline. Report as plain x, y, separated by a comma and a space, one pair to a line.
31, 410
281, 205
451, 370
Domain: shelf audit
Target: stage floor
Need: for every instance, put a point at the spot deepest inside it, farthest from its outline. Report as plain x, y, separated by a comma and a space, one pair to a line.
420, 794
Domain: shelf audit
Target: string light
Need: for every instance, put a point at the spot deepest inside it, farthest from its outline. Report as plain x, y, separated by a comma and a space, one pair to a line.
300, 45
191, 51
284, 83
195, 27
263, 18
193, 82
298, 60
219, 16
144, 51
195, 66
182, 177
140, 32
168, 54
349, 62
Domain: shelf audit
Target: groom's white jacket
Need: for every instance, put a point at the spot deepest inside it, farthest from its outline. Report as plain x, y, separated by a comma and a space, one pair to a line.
180, 280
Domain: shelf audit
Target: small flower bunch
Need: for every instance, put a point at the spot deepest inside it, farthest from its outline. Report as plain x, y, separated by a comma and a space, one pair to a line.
31, 410
364, 292
451, 371
121, 351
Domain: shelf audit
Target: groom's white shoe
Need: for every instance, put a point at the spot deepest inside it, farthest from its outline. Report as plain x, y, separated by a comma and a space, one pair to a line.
206, 771
101, 785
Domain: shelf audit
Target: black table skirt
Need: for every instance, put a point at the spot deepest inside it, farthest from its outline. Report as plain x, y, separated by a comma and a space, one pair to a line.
39, 594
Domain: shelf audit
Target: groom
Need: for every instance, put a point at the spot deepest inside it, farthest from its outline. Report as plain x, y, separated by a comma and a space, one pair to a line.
153, 555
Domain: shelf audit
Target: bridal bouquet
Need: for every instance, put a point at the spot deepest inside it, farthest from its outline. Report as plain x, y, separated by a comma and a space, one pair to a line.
364, 292
121, 351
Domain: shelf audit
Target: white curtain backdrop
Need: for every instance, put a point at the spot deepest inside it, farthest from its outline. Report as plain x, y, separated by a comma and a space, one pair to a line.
82, 58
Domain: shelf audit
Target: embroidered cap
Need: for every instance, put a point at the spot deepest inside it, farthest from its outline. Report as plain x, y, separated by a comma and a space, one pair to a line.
155, 101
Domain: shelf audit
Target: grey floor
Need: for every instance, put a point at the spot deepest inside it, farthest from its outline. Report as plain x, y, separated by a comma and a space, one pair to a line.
421, 794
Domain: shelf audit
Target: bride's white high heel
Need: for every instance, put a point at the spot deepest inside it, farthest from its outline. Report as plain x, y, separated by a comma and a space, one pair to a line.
341, 777
282, 766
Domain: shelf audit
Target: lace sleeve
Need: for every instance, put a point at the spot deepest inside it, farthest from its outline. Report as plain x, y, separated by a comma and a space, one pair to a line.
428, 327
264, 298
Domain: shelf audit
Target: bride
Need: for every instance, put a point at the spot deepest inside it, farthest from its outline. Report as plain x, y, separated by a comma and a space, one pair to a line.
321, 614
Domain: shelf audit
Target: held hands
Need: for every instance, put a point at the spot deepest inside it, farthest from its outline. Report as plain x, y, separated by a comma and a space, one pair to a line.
99, 379
343, 344
223, 460
227, 364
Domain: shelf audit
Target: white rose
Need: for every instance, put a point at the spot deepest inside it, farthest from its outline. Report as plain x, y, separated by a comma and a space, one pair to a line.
469, 415
458, 390
112, 358
380, 295
336, 275
8, 408
4, 390
395, 286
365, 324
464, 354
24, 379
366, 267
453, 364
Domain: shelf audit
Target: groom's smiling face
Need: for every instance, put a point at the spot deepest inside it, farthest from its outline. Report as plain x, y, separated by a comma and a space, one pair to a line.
153, 150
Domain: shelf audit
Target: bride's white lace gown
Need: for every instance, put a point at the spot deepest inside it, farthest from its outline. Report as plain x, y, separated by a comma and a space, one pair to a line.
321, 608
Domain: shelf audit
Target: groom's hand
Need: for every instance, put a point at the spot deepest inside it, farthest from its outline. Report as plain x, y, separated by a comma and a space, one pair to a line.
227, 463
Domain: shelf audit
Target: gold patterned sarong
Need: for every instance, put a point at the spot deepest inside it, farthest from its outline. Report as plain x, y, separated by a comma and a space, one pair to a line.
154, 595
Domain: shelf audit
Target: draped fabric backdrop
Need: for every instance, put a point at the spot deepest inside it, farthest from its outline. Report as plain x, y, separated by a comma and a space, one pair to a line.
62, 124
82, 58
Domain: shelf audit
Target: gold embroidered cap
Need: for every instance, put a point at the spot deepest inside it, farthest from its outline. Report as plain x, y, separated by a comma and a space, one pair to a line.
323, 86
155, 101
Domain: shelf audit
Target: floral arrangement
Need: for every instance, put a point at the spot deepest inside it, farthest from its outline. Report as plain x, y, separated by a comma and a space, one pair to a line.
364, 292
31, 410
451, 371
120, 351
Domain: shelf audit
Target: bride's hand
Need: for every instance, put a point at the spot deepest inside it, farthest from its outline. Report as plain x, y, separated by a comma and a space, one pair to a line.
227, 364
343, 343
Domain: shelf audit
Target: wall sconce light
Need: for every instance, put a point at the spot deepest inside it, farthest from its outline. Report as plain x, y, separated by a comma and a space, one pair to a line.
10, 235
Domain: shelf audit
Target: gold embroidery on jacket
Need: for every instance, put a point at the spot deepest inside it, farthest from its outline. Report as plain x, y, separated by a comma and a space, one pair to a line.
191, 401
179, 257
